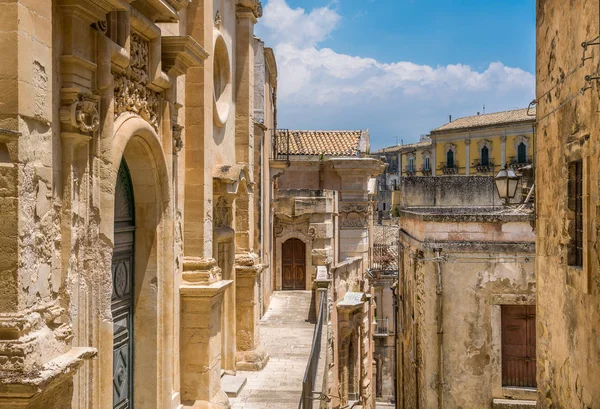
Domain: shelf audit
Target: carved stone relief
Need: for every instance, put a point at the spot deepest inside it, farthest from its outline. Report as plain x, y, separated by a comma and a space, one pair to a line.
131, 92
222, 213
299, 225
354, 215
177, 141
82, 113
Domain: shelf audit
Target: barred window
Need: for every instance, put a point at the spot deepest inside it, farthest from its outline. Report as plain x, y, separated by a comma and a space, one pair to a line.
576, 206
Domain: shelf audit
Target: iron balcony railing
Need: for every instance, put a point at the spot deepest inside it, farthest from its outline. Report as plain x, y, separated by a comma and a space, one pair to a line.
381, 327
448, 169
515, 162
426, 171
281, 145
310, 375
483, 167
410, 171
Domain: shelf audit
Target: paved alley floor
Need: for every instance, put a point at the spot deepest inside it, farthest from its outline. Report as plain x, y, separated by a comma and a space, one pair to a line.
287, 336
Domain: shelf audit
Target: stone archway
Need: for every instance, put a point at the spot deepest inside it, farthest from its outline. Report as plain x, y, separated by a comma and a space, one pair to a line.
136, 143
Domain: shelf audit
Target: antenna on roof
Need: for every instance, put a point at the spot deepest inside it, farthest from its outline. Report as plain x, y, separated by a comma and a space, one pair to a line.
449, 118
483, 109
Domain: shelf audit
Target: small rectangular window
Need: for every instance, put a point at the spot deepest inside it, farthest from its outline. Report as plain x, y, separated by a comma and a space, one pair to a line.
575, 190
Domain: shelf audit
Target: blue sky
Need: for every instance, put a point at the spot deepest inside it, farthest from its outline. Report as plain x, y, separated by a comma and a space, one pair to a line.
398, 67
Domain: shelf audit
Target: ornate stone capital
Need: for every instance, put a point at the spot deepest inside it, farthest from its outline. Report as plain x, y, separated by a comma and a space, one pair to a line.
467, 141
249, 9
502, 138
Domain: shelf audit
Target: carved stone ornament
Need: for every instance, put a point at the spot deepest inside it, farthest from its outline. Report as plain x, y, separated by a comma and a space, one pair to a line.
222, 213
82, 113
177, 141
218, 20
300, 225
131, 91
354, 215
253, 6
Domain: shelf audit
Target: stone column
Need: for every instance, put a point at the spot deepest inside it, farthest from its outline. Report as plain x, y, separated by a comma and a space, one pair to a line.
248, 265
250, 354
503, 150
468, 156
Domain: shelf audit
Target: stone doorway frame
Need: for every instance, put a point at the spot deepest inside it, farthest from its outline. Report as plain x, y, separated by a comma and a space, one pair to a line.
138, 142
310, 270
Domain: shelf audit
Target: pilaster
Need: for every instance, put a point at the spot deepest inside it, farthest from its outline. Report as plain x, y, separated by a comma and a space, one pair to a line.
201, 319
250, 354
502, 150
468, 154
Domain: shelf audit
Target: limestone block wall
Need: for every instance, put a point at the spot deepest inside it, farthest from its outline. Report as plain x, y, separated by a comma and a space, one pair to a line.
568, 309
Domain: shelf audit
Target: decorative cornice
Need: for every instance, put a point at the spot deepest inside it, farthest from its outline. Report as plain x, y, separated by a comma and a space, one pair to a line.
180, 53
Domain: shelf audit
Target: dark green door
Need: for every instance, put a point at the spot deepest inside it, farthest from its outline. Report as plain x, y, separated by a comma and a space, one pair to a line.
122, 291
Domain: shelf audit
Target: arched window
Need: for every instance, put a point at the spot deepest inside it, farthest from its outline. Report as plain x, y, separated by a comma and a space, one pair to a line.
411, 164
427, 165
522, 153
450, 159
485, 156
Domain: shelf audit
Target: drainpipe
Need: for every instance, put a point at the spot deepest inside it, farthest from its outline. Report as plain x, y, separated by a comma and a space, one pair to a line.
440, 331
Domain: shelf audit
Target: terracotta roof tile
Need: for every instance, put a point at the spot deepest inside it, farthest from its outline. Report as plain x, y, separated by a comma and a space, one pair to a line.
496, 118
329, 143
405, 147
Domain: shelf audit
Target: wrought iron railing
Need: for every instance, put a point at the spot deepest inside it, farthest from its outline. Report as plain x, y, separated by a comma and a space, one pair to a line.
381, 327
281, 145
483, 167
515, 162
426, 171
310, 375
410, 171
449, 169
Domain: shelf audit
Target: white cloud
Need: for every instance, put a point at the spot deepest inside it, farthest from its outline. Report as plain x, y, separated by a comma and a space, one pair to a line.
320, 88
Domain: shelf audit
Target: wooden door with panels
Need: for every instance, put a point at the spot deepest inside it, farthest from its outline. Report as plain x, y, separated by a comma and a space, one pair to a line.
518, 346
294, 265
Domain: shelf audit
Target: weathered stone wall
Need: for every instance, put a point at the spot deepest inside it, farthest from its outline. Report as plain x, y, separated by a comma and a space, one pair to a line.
477, 277
568, 311
447, 191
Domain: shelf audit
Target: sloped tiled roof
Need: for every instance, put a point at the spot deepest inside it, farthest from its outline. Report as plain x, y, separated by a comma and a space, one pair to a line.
405, 147
496, 118
328, 143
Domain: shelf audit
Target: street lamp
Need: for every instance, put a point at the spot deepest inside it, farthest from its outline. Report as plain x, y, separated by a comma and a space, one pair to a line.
506, 183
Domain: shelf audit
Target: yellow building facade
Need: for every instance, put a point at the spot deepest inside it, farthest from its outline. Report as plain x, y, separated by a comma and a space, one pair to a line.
483, 144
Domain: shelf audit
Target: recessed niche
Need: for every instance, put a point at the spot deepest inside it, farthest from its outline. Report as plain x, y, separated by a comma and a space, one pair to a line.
4, 155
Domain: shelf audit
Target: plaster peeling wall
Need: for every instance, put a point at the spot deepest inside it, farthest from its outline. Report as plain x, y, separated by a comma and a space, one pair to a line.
472, 294
568, 298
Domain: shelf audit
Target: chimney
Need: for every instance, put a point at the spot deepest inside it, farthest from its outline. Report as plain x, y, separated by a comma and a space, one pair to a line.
449, 118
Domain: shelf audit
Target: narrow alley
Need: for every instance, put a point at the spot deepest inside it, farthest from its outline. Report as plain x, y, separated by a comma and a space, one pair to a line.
286, 333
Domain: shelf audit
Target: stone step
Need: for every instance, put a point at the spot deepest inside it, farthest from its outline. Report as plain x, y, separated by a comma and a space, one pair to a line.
233, 384
513, 404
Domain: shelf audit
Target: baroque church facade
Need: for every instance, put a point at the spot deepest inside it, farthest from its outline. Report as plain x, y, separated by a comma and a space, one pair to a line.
135, 249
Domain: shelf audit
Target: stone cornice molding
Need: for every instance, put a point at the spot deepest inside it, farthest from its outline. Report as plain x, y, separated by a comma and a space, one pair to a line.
179, 53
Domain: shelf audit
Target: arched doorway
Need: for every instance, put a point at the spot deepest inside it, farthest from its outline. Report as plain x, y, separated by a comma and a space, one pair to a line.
123, 290
294, 265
